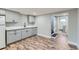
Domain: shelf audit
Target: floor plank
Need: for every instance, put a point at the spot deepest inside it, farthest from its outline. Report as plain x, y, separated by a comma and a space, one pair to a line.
33, 43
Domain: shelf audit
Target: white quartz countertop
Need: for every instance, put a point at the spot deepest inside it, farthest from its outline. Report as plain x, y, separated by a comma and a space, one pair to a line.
18, 27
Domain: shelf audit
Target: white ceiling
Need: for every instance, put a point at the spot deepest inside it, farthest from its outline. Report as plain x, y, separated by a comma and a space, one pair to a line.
37, 11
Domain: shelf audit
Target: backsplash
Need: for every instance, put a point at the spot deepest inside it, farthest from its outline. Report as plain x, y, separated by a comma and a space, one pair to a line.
9, 24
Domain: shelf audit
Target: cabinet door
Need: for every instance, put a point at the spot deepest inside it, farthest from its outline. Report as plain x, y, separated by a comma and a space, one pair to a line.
25, 33
2, 12
34, 31
9, 17
12, 16
29, 31
11, 36
18, 35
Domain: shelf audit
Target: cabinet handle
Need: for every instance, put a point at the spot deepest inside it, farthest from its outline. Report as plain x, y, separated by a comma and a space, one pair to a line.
15, 33
26, 31
13, 20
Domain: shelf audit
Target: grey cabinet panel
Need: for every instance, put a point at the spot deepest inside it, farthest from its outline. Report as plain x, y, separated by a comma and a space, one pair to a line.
13, 36
34, 31
12, 16
18, 35
28, 32
23, 34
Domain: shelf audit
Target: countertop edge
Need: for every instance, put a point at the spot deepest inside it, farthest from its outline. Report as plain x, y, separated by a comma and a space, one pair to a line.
19, 28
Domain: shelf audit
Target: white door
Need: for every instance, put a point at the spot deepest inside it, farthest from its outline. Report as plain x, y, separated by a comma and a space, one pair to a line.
63, 23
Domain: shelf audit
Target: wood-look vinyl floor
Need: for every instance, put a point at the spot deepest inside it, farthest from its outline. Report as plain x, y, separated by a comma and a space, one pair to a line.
33, 43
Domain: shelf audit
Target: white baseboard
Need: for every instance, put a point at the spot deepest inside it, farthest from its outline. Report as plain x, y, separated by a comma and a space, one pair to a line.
73, 44
44, 35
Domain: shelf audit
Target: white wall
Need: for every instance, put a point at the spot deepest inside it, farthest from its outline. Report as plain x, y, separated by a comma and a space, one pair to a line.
78, 27
44, 25
72, 25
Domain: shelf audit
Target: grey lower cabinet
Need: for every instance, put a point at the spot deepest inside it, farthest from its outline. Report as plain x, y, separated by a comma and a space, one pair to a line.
13, 36
34, 31
16, 35
28, 32
25, 33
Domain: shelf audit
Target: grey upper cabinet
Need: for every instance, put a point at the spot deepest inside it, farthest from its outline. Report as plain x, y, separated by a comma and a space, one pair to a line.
13, 36
2, 12
12, 16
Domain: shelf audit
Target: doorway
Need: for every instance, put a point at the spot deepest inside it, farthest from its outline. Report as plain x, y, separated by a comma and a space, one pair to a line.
59, 24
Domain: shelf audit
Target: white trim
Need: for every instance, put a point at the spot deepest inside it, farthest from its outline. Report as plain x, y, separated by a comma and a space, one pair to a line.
44, 35
73, 44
